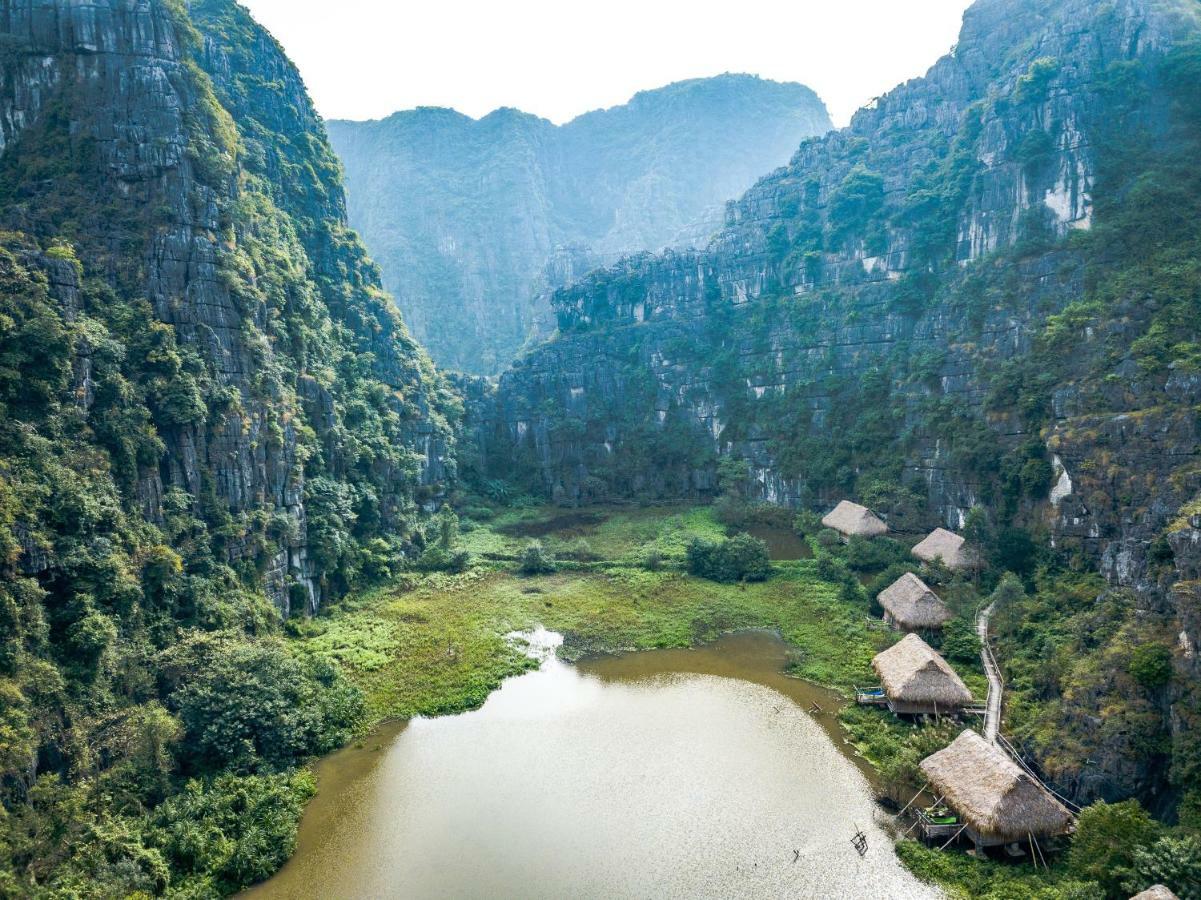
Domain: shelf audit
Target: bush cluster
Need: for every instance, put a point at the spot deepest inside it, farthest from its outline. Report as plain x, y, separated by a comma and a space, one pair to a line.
739, 558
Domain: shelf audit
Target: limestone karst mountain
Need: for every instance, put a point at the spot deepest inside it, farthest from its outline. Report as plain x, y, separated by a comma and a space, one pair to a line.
211, 418
472, 221
982, 294
231, 481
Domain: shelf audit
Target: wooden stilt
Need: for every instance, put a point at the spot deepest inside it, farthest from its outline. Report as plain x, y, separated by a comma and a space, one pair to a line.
910, 803
952, 837
915, 821
1039, 848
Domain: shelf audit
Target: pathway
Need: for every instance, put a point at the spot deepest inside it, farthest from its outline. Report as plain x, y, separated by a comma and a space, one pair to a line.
996, 686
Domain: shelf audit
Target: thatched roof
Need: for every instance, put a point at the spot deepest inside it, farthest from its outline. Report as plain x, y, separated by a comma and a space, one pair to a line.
1156, 892
911, 603
854, 520
947, 546
991, 793
912, 672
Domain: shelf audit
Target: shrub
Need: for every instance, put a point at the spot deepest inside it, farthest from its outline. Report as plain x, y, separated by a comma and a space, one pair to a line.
536, 560
731, 510
1151, 665
865, 555
829, 539
250, 707
652, 559
740, 558
806, 523
1173, 861
833, 570
447, 524
1107, 836
232, 831
438, 559
960, 642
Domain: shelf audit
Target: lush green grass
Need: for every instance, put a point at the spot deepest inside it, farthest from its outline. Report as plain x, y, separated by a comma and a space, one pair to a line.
618, 536
966, 878
436, 644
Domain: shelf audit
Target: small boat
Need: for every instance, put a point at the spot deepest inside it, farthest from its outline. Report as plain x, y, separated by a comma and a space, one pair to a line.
859, 842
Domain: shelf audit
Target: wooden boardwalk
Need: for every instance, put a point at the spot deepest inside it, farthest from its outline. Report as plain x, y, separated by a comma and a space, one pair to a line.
996, 684
992, 711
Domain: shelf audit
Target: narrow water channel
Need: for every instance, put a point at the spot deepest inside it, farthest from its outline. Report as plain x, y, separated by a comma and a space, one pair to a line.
676, 773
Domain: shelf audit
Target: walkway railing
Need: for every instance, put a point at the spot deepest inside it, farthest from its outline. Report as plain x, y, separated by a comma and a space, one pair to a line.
994, 705
996, 683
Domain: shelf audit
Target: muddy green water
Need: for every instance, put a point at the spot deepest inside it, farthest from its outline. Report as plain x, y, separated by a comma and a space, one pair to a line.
782, 543
689, 774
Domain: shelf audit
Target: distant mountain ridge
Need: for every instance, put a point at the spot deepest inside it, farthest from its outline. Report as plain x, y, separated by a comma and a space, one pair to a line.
465, 216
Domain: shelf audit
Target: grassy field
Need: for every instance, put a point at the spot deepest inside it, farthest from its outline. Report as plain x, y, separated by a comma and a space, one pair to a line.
620, 536
433, 644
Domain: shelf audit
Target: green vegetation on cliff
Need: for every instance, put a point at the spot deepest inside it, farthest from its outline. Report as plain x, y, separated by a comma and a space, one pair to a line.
210, 415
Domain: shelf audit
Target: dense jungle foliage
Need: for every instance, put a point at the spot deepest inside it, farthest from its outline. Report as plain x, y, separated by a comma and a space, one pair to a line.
152, 717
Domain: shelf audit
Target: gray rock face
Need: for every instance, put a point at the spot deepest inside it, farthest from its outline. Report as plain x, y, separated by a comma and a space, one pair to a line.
810, 307
465, 215
122, 81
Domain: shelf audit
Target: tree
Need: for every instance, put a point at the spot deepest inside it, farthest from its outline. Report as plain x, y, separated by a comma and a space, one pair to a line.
1107, 837
235, 830
978, 530
960, 642
740, 558
733, 473
1151, 665
1014, 550
1172, 861
448, 528
254, 706
1009, 590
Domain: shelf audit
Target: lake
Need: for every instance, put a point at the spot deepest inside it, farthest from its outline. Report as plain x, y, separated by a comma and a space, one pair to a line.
672, 773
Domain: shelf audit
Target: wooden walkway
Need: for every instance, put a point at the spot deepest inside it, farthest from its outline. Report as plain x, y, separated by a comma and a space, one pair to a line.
992, 712
996, 684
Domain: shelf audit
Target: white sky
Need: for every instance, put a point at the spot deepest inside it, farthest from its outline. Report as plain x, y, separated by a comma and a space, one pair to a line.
558, 58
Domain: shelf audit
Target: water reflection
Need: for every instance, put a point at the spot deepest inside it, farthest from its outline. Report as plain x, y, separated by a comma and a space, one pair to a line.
663, 774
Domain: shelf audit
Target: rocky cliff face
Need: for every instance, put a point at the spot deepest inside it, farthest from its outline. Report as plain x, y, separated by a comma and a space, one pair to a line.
464, 215
934, 308
176, 155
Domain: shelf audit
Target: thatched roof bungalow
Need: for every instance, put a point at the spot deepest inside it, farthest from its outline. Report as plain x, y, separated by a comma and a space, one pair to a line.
853, 520
917, 681
1156, 892
997, 801
947, 546
910, 605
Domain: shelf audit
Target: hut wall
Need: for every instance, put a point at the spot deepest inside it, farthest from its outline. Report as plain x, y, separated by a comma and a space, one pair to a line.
905, 708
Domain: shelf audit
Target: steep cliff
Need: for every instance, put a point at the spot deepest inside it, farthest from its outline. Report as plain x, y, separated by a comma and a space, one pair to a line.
211, 417
463, 215
226, 243
980, 294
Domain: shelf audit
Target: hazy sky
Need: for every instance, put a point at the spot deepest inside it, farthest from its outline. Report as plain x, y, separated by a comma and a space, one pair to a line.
557, 58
